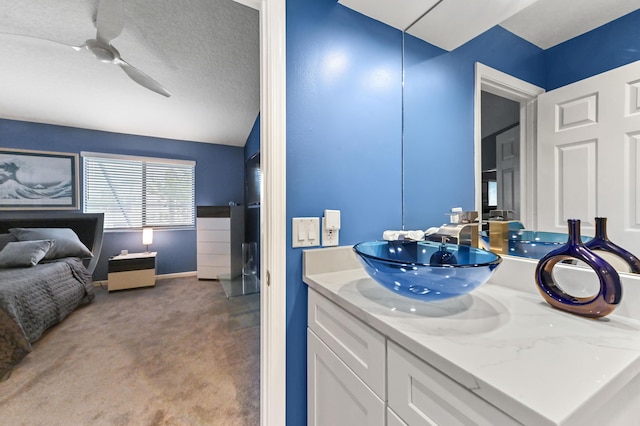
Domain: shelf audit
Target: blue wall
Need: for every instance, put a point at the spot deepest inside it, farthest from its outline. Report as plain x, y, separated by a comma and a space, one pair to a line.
438, 124
219, 180
439, 90
253, 141
344, 124
605, 48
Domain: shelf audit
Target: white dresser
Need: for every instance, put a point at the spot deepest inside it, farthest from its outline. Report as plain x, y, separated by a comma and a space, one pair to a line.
220, 234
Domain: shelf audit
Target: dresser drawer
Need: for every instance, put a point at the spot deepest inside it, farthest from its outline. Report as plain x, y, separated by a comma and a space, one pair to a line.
214, 260
222, 223
214, 235
422, 395
213, 248
358, 345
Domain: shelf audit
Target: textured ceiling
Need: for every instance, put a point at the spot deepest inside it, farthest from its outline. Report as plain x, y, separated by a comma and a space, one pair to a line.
205, 52
549, 22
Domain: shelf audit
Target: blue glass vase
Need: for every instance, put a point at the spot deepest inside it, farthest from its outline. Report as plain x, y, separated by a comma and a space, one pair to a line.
602, 242
599, 305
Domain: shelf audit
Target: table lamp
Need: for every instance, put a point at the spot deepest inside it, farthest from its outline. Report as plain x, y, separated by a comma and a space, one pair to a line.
147, 237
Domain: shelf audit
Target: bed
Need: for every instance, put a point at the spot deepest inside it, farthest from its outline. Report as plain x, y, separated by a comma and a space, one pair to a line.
46, 262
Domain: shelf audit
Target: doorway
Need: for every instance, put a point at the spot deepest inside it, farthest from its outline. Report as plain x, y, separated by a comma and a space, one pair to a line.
505, 88
500, 132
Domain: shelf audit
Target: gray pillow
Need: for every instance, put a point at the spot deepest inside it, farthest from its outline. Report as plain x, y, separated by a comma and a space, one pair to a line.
24, 253
6, 239
67, 243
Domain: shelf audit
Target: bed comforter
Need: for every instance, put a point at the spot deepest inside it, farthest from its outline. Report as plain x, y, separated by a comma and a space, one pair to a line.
34, 299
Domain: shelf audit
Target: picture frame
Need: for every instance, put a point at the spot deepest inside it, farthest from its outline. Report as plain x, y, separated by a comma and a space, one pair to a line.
38, 180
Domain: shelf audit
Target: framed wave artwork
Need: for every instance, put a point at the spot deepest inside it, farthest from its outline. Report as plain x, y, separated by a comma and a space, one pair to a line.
38, 180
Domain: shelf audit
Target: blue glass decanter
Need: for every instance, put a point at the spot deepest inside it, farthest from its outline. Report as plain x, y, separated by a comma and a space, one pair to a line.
602, 242
599, 305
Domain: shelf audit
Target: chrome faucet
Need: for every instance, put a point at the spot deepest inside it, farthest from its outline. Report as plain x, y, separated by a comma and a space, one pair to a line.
465, 232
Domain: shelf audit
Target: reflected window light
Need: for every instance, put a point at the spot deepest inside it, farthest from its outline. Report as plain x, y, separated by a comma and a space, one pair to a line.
335, 64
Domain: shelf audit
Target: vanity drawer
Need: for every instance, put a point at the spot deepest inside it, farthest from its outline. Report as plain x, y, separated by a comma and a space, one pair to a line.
422, 395
358, 345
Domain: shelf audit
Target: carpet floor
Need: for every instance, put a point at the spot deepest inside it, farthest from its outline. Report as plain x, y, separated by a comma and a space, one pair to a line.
179, 353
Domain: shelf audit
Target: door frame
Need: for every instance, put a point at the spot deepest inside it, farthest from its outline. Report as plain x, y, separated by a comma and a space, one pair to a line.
498, 83
273, 219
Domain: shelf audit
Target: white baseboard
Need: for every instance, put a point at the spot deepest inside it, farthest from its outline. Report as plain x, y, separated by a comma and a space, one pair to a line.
176, 275
104, 283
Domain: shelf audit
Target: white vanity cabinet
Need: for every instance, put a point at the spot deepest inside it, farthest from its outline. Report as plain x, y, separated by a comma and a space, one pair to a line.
358, 377
220, 234
499, 356
421, 395
345, 368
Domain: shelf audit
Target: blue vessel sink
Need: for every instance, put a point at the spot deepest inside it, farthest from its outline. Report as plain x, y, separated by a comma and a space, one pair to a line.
536, 245
422, 270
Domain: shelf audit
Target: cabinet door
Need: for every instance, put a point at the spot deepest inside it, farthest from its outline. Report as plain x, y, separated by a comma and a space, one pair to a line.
423, 396
356, 344
335, 395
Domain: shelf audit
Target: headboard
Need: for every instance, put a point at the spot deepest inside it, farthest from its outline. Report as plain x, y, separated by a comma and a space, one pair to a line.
88, 226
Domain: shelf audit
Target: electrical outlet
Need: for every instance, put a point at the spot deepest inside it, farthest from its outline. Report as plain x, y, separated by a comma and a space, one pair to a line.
305, 232
329, 236
330, 228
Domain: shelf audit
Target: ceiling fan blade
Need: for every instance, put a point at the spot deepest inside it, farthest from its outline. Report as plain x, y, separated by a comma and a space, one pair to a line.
109, 20
40, 40
142, 78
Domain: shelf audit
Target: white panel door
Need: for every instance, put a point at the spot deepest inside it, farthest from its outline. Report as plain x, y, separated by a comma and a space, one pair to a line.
508, 170
588, 155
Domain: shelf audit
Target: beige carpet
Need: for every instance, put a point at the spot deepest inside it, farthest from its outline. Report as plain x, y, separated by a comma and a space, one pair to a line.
179, 353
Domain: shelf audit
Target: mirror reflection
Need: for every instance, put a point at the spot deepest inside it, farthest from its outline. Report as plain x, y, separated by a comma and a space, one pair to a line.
494, 137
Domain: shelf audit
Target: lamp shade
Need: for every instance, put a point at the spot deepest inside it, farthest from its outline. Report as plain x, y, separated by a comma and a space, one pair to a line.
147, 236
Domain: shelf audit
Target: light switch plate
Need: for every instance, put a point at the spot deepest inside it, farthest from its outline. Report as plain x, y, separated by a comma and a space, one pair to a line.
305, 232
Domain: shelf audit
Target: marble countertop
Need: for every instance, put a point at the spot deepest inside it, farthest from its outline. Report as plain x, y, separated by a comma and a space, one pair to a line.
539, 365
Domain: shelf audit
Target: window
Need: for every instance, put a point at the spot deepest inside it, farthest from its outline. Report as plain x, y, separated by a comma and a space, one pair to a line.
254, 181
133, 192
493, 193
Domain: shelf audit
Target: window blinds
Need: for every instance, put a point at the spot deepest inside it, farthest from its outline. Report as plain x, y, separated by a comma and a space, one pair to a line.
133, 192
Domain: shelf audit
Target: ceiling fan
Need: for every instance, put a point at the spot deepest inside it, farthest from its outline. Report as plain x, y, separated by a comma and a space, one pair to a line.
109, 24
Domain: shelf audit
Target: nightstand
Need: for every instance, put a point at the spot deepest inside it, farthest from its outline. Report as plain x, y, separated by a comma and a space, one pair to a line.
132, 270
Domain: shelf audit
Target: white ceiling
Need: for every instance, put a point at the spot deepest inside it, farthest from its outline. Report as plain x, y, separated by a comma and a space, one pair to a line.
450, 23
205, 52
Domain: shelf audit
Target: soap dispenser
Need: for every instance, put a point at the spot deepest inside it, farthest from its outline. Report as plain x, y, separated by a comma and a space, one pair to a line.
443, 256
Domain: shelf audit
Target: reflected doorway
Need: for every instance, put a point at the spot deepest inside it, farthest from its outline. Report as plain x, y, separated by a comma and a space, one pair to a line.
500, 158
524, 94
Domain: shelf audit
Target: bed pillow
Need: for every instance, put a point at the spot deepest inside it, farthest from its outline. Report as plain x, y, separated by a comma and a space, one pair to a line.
6, 239
24, 253
67, 243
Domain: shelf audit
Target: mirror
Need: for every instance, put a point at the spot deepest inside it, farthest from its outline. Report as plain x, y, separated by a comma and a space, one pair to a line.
440, 161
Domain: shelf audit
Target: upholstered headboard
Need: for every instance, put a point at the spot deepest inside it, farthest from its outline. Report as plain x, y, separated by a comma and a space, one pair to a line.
88, 226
